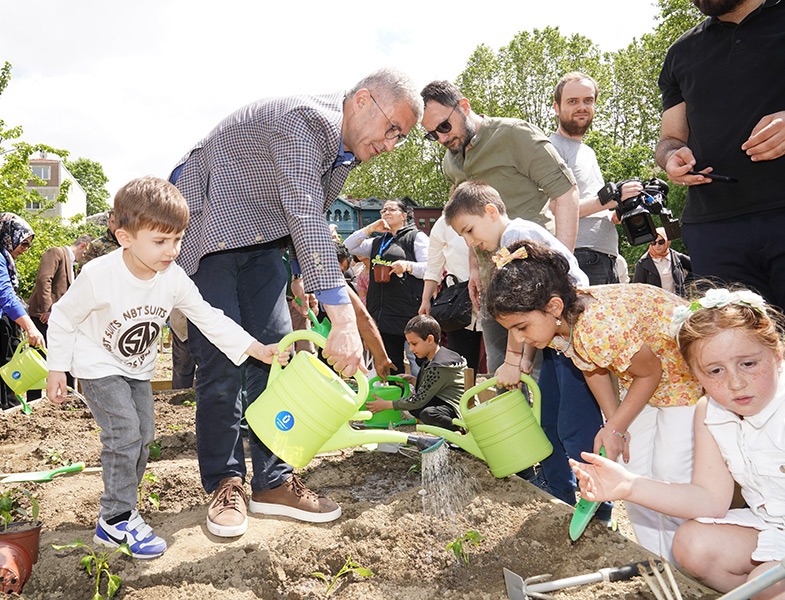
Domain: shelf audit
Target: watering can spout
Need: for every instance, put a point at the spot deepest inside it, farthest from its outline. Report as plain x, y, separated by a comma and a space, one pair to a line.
464, 441
346, 437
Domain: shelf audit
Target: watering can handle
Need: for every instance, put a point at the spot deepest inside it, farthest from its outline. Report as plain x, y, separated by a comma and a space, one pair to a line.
391, 378
536, 404
319, 340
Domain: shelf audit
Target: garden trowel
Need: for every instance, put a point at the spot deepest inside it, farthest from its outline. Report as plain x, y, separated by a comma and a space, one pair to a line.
584, 511
42, 475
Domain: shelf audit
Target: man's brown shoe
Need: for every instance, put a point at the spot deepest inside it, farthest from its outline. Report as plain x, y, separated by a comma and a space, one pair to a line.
226, 515
293, 499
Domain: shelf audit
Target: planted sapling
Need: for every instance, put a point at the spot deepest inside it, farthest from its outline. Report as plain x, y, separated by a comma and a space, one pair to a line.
459, 545
97, 564
151, 497
349, 566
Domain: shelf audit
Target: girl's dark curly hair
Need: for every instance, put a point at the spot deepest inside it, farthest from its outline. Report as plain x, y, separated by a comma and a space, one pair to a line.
528, 284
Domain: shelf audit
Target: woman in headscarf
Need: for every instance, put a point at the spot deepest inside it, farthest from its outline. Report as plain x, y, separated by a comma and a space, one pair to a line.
16, 235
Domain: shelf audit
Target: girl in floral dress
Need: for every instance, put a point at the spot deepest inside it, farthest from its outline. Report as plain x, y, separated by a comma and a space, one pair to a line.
623, 329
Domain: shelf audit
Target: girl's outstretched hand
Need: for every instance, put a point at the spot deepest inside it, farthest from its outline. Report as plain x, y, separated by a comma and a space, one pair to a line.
614, 445
602, 479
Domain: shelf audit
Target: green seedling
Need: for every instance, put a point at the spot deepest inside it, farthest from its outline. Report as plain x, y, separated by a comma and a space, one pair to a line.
17, 505
155, 449
415, 467
190, 403
152, 497
349, 566
97, 564
459, 545
176, 427
55, 457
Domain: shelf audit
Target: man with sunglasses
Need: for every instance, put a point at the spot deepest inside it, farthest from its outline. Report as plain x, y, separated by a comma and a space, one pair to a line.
263, 179
517, 160
663, 267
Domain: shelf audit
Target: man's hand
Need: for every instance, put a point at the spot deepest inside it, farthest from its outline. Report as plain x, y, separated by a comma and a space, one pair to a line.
344, 347
679, 163
475, 289
56, 386
767, 140
44, 318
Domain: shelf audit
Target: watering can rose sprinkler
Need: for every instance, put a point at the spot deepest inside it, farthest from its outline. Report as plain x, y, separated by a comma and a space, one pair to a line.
505, 431
306, 409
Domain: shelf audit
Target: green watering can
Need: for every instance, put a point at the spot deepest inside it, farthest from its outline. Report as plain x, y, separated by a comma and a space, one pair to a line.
504, 432
26, 370
322, 328
306, 409
389, 417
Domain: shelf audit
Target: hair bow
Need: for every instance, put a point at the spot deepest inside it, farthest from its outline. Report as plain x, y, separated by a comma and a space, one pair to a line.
504, 256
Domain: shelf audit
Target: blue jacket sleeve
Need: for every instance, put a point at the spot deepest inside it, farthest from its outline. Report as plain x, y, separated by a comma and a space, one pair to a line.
9, 302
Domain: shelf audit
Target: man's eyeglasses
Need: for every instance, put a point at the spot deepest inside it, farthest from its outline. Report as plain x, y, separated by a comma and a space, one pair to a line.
443, 127
659, 242
393, 132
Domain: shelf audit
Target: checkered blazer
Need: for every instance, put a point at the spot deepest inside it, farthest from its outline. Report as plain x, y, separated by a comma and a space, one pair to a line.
264, 173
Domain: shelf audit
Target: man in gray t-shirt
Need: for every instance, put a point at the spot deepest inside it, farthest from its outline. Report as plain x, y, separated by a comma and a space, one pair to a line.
597, 245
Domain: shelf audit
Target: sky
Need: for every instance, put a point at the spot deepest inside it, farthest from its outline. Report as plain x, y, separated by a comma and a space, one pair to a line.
134, 85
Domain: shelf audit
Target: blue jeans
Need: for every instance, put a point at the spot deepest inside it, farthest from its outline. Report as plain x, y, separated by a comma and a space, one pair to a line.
599, 268
571, 419
249, 285
123, 409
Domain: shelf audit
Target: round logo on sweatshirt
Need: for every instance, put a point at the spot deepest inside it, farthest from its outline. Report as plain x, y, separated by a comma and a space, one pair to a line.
138, 338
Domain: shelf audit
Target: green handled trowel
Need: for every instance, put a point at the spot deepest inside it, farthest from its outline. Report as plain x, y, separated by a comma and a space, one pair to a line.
584, 511
42, 475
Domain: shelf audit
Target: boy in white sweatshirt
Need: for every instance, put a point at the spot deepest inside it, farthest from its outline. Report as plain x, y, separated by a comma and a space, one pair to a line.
104, 331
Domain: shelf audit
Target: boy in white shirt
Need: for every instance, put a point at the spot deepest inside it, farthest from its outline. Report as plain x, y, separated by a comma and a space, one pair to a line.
104, 330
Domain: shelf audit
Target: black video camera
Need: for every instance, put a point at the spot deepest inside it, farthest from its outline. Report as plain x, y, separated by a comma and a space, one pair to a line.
635, 214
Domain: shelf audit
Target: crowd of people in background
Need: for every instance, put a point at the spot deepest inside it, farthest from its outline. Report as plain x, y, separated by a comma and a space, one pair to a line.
673, 383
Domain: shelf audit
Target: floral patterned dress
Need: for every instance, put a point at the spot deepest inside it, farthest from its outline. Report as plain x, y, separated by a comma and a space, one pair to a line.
621, 320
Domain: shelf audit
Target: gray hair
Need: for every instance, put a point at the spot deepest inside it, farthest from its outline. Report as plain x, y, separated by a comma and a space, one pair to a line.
394, 85
85, 238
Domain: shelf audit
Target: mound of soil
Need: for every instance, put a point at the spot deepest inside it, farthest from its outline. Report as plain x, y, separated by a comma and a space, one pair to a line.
387, 526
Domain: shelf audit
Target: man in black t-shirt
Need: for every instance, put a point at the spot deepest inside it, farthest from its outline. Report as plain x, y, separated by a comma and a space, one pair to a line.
723, 99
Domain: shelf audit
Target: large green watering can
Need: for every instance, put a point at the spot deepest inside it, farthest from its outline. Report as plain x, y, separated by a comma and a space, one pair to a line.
504, 432
26, 370
306, 409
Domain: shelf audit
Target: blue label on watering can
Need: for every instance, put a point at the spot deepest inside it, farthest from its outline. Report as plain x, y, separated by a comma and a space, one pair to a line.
16, 374
284, 420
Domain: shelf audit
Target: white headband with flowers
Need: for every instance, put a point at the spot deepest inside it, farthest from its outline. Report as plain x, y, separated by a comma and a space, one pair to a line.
716, 298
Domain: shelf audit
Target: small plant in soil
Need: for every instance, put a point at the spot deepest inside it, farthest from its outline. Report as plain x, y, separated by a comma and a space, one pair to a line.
155, 449
350, 566
151, 497
17, 505
97, 564
460, 545
55, 457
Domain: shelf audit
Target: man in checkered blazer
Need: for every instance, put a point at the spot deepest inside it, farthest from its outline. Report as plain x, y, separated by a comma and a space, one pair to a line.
262, 180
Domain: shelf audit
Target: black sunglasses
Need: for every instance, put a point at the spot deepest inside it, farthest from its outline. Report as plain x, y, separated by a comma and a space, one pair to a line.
659, 242
443, 127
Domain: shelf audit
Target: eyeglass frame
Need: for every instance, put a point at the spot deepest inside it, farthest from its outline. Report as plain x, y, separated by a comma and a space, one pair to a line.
658, 242
443, 127
386, 209
390, 134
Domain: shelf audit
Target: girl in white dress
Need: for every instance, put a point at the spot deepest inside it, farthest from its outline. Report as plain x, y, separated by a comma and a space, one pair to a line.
733, 346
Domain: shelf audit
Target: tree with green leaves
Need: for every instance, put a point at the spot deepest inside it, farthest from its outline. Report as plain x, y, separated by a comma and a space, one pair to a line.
15, 174
90, 175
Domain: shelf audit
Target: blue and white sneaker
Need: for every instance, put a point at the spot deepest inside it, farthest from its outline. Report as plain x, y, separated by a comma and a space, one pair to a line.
135, 532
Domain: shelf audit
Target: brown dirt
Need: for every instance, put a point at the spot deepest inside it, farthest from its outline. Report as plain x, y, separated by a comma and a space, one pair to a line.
383, 527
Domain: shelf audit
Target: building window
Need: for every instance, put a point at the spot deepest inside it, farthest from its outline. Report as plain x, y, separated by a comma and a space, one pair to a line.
43, 172
421, 220
346, 215
432, 222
